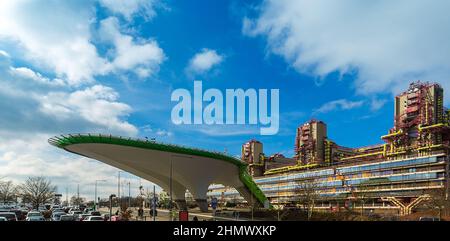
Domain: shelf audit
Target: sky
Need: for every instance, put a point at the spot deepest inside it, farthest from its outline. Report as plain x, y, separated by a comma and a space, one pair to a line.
110, 66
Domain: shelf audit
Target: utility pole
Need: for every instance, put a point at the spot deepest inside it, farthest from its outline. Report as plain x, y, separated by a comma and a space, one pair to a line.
129, 195
170, 181
67, 196
118, 189
154, 203
78, 192
95, 198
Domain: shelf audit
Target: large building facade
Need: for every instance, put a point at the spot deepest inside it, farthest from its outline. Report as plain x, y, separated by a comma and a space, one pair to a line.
397, 176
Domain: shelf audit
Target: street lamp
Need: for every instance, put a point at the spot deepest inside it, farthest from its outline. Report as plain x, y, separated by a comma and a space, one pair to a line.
110, 205
95, 199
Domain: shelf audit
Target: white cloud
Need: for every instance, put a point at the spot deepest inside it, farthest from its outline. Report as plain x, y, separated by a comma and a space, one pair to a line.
148, 130
97, 104
34, 109
42, 105
59, 37
341, 104
143, 57
129, 8
27, 73
204, 61
161, 132
388, 43
55, 36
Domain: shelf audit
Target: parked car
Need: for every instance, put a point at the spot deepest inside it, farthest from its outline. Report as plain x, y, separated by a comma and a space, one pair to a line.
35, 218
33, 213
76, 214
67, 218
3, 219
88, 210
19, 214
95, 213
58, 210
84, 216
57, 216
94, 218
429, 219
105, 216
42, 209
9, 216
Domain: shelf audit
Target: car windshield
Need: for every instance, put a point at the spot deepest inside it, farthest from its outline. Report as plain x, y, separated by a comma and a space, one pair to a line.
66, 218
8, 215
32, 214
58, 214
97, 218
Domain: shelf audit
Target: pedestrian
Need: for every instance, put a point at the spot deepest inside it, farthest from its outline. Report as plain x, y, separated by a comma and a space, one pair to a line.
195, 218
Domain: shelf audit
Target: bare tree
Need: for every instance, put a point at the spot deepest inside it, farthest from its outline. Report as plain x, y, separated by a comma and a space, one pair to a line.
75, 200
437, 201
37, 191
307, 193
8, 191
361, 194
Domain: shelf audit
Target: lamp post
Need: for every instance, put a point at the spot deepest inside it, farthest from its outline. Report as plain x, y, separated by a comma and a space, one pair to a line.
95, 199
110, 205
129, 195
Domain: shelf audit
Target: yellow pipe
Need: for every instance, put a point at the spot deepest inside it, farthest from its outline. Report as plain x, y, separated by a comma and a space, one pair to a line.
430, 147
396, 153
363, 155
432, 126
392, 134
384, 149
289, 168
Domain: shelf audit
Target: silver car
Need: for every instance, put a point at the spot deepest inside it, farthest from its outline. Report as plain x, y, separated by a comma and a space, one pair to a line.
57, 216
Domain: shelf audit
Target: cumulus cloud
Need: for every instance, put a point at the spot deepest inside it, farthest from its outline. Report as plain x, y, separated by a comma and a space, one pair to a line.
56, 36
129, 8
42, 105
35, 107
148, 130
203, 61
386, 43
60, 37
143, 57
341, 104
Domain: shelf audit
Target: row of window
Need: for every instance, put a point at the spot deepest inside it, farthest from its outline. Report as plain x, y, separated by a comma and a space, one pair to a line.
343, 170
403, 177
387, 165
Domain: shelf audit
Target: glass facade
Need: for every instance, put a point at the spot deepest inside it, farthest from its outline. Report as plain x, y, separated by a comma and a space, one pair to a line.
334, 182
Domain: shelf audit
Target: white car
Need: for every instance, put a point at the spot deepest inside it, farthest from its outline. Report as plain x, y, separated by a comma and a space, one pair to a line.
67, 218
94, 218
76, 214
57, 216
35, 218
33, 213
3, 219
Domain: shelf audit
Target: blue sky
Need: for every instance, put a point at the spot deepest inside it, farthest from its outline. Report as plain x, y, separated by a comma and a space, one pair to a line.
110, 66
